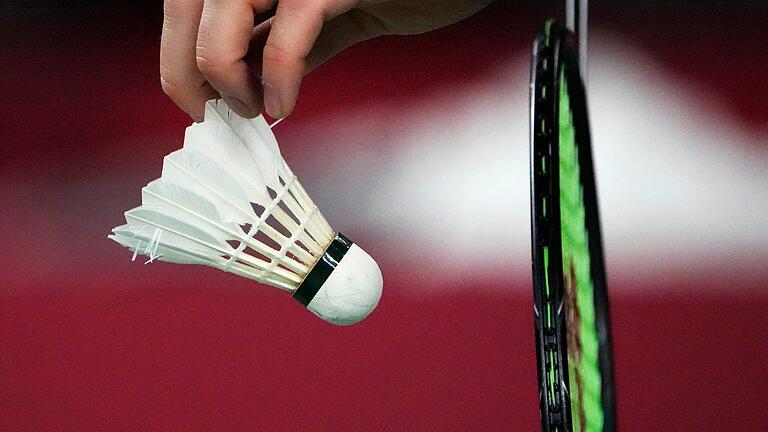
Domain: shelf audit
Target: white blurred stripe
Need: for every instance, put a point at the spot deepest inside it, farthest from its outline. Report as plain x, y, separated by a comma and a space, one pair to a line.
444, 182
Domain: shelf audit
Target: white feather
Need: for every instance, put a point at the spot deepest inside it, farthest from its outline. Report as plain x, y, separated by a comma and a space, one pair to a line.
212, 183
246, 167
255, 162
178, 250
200, 211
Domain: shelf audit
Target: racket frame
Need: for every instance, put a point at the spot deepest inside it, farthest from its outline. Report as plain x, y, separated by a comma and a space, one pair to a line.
553, 47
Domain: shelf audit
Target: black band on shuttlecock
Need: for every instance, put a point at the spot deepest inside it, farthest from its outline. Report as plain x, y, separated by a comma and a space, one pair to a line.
322, 269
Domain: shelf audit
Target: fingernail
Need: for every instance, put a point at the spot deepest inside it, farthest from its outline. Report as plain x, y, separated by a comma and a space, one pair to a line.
239, 106
272, 102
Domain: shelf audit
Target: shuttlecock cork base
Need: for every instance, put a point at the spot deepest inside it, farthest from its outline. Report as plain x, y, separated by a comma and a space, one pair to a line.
344, 286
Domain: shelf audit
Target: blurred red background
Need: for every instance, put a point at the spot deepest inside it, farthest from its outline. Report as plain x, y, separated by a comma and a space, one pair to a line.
92, 341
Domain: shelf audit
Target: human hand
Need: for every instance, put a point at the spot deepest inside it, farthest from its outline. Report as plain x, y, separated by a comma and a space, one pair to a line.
237, 50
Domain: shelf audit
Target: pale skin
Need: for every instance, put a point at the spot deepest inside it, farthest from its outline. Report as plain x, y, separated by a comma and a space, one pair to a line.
255, 53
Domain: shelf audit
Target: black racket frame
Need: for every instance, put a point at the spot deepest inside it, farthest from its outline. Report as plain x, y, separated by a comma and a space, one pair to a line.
555, 46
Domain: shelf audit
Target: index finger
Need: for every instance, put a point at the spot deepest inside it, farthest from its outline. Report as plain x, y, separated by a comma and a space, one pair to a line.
179, 76
226, 27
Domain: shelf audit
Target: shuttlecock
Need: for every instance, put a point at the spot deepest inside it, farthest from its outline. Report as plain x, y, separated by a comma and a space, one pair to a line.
228, 200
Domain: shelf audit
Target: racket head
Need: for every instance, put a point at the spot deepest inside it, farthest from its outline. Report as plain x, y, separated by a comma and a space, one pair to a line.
571, 310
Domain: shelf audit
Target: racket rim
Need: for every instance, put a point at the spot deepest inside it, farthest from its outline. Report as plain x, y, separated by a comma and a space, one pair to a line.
555, 44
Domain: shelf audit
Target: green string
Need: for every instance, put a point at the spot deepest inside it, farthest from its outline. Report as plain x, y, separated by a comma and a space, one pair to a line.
586, 398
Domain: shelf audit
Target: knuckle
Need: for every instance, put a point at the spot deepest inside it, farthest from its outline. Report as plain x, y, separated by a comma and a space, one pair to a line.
206, 63
169, 87
212, 61
276, 53
205, 57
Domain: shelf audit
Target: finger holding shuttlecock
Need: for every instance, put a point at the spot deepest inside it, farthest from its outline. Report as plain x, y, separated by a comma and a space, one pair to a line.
228, 200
